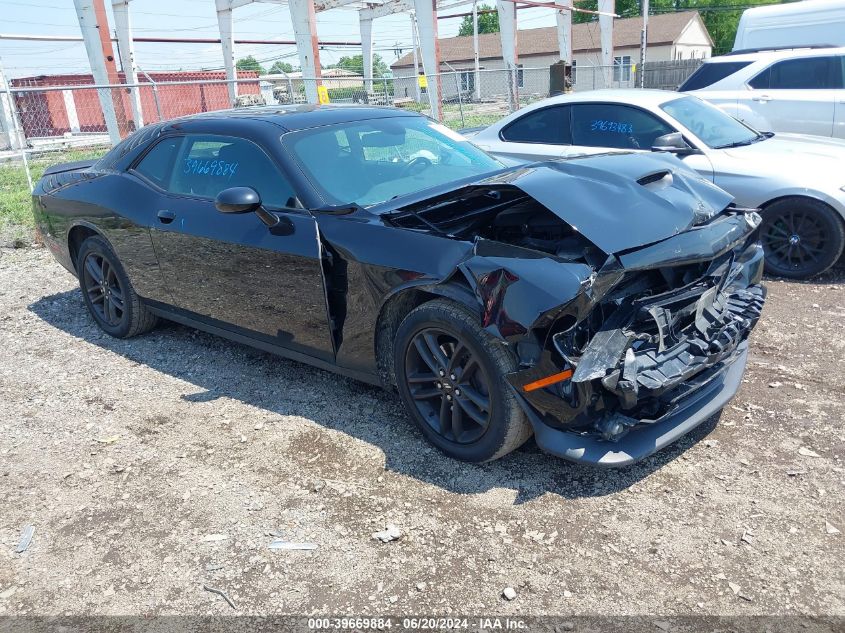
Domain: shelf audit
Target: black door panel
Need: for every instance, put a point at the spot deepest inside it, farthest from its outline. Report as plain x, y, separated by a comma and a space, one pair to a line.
231, 268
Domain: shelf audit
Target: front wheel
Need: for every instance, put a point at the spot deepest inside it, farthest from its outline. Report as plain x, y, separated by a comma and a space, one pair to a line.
107, 293
450, 375
801, 237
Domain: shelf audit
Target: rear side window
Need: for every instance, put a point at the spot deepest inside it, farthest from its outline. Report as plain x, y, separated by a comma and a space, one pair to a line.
204, 165
549, 125
157, 164
615, 126
708, 74
804, 73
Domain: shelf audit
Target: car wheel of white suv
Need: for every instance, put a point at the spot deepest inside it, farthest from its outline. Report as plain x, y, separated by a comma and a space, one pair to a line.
801, 237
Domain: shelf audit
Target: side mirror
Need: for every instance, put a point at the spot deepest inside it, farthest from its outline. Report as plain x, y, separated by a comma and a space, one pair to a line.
673, 142
247, 200
238, 200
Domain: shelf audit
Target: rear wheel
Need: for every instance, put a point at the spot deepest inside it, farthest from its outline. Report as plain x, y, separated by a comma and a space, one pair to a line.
107, 293
801, 237
450, 374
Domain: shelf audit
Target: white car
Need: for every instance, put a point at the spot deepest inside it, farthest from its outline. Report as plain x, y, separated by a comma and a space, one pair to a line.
797, 181
800, 91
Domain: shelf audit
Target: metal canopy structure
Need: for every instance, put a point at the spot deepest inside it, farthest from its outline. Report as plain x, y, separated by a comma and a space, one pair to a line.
303, 14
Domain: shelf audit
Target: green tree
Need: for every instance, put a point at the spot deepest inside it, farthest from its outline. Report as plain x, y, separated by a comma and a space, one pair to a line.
250, 63
487, 22
355, 63
280, 67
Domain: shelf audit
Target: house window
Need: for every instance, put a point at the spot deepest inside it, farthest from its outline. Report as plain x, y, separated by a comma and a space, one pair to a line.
520, 77
622, 68
574, 69
467, 81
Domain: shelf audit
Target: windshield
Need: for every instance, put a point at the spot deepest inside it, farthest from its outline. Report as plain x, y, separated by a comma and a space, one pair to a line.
367, 162
715, 128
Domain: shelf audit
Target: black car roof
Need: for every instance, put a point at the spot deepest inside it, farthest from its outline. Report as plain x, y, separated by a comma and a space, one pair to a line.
300, 117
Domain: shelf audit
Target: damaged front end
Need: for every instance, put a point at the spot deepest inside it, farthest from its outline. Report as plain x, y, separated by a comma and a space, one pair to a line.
660, 352
628, 302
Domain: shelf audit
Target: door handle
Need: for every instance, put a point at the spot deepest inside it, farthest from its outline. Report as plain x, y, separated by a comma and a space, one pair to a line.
165, 216
761, 98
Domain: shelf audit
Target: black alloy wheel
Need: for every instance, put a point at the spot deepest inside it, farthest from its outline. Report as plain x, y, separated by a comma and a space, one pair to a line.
450, 373
104, 290
449, 387
801, 237
108, 293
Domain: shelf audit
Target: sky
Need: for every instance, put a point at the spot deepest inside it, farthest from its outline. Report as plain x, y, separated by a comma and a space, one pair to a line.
198, 19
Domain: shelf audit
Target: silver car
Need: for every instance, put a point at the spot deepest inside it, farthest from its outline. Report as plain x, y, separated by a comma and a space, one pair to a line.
798, 181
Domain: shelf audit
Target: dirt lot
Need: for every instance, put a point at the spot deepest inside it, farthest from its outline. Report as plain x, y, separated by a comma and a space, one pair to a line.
154, 466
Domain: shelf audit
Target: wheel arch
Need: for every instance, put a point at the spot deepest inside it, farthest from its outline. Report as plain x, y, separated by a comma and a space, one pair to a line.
804, 195
814, 196
77, 234
396, 307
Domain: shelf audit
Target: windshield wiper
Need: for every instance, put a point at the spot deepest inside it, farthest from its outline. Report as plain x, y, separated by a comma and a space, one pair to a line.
760, 137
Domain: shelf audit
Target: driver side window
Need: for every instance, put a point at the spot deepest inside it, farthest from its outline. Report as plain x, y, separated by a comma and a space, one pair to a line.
615, 126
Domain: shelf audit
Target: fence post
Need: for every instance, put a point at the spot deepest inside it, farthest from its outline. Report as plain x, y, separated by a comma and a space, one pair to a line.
8, 112
155, 94
19, 136
512, 105
460, 100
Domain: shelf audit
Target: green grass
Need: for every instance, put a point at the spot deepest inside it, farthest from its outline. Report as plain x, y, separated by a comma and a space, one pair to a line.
15, 206
472, 120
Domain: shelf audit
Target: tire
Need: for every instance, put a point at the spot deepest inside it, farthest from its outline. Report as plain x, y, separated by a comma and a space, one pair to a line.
109, 296
801, 237
432, 335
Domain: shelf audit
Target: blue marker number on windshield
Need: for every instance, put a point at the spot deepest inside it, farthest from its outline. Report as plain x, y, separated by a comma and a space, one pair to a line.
213, 168
600, 125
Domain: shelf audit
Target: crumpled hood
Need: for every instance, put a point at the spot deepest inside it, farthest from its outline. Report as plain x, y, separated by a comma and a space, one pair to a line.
600, 196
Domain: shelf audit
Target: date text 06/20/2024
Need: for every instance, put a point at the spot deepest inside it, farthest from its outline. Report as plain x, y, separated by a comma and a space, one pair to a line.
417, 623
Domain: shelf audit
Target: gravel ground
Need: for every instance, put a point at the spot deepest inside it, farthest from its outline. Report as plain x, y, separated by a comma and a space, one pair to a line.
155, 466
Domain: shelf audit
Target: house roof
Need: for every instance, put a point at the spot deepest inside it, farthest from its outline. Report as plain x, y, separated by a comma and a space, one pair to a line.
663, 28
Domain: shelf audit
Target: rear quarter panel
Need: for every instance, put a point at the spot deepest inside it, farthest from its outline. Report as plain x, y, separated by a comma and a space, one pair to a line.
118, 207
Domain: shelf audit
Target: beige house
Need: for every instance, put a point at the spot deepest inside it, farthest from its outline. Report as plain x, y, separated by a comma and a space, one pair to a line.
671, 36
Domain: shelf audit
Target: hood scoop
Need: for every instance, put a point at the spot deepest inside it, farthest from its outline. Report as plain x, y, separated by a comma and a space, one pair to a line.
657, 181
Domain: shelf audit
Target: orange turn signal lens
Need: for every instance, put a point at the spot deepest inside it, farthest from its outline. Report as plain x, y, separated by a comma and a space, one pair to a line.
548, 380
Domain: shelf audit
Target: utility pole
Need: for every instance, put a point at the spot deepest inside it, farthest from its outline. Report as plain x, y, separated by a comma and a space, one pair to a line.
643, 44
475, 49
415, 44
111, 67
88, 24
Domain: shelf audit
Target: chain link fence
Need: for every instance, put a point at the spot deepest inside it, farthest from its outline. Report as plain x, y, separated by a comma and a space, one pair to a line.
46, 124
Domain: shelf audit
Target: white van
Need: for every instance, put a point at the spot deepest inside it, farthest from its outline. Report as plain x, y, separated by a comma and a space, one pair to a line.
797, 24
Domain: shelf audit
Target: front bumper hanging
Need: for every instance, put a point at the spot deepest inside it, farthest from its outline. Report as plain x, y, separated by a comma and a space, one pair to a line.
667, 363
653, 435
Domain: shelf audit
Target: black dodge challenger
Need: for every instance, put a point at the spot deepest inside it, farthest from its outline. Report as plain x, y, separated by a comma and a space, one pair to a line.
602, 303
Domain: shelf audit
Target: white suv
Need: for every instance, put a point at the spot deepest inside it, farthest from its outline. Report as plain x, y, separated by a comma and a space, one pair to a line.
801, 90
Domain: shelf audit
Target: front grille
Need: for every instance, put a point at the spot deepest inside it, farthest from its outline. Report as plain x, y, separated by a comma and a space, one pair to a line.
670, 342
